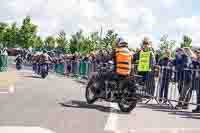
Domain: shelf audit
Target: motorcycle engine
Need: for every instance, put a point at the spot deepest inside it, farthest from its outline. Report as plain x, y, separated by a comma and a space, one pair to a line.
112, 85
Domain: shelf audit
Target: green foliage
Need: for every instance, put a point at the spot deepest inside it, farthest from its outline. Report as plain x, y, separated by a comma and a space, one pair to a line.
50, 42
76, 42
11, 36
109, 40
26, 36
165, 43
187, 41
62, 43
38, 43
3, 27
27, 33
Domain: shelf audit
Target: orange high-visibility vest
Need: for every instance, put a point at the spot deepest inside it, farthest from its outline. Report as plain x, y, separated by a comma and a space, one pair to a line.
123, 61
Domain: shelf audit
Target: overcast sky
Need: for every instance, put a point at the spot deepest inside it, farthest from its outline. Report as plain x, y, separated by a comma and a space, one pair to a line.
133, 19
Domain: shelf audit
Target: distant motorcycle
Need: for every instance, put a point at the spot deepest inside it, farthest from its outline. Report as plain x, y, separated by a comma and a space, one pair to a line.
18, 61
116, 90
18, 66
44, 70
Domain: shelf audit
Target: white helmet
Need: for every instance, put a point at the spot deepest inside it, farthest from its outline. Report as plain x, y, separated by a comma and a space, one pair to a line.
122, 43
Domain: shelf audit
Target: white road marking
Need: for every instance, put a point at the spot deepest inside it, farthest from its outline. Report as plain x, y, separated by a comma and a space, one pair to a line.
111, 124
21, 129
4, 92
11, 89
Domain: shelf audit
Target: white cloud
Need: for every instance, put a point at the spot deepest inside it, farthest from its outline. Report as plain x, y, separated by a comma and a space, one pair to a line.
133, 17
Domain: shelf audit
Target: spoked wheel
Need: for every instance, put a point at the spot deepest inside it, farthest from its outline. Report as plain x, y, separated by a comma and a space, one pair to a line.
90, 94
127, 105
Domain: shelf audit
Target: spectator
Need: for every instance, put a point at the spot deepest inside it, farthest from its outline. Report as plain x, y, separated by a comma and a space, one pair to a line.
196, 81
166, 73
148, 75
183, 76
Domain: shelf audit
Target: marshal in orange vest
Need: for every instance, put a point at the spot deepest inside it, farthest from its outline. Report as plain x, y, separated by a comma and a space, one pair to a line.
123, 61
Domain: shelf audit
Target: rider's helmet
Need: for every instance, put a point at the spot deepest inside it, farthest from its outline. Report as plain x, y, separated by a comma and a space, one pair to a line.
122, 43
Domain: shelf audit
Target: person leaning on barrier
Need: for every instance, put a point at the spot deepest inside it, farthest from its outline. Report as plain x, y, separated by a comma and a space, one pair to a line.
165, 66
146, 65
183, 76
196, 81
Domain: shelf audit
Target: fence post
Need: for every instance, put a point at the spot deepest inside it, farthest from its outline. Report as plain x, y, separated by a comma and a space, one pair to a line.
86, 69
77, 68
81, 69
62, 68
3, 63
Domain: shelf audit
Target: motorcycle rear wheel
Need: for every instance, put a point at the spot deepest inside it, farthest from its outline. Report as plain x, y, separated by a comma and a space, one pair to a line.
90, 91
127, 107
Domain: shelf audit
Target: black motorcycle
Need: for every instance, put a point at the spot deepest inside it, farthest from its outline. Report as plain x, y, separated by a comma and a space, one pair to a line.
117, 90
18, 63
44, 70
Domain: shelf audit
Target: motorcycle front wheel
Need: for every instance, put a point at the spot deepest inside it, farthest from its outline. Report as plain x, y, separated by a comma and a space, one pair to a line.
43, 74
127, 106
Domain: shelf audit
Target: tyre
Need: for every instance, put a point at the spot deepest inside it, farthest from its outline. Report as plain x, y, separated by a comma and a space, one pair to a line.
90, 93
18, 67
127, 106
43, 74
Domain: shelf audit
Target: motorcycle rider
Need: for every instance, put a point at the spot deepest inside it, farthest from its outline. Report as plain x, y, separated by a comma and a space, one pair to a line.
45, 59
18, 59
34, 59
122, 61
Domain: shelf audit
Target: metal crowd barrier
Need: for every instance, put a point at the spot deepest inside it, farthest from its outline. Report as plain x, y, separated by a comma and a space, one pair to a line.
173, 87
78, 68
165, 86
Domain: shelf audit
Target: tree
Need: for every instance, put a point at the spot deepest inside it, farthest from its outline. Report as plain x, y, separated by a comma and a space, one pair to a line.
38, 42
50, 42
165, 43
3, 27
27, 33
109, 39
187, 41
11, 36
62, 41
76, 42
95, 41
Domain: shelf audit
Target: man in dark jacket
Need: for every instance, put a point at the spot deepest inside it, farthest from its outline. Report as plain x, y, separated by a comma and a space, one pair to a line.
196, 81
165, 75
183, 76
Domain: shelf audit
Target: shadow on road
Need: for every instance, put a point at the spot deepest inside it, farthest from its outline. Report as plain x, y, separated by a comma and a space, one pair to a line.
165, 108
37, 77
82, 104
153, 106
81, 81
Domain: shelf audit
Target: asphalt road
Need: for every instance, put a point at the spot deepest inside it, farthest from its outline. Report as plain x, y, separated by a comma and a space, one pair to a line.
58, 104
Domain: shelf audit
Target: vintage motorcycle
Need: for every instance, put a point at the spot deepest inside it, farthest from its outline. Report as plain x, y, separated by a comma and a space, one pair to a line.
19, 62
44, 70
117, 90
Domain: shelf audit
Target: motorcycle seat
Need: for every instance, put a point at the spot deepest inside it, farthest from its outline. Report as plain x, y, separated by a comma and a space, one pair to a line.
117, 77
